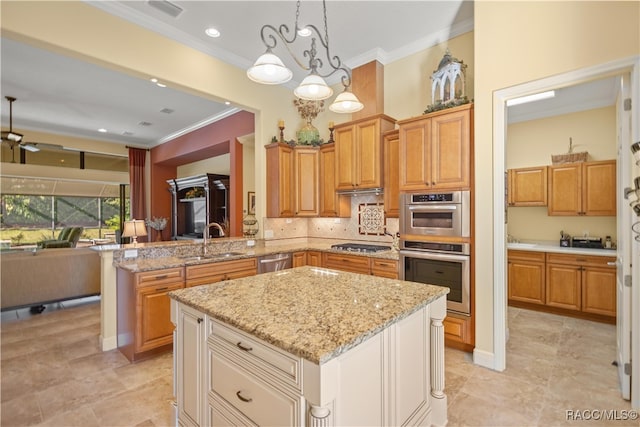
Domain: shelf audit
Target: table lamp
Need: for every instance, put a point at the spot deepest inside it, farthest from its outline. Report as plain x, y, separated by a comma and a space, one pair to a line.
133, 229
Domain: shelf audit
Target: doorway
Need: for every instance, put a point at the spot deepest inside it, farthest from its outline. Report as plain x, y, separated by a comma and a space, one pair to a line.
499, 238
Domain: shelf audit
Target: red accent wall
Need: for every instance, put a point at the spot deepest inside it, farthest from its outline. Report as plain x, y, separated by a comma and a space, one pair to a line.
210, 141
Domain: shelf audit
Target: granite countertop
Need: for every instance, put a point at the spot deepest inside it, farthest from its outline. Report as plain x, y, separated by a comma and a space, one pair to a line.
556, 248
311, 312
137, 265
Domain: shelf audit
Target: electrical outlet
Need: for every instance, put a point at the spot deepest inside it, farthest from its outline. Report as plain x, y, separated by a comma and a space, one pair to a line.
131, 253
268, 234
288, 221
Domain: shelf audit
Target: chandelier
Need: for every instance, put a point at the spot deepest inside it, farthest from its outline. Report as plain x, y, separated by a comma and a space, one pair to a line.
269, 69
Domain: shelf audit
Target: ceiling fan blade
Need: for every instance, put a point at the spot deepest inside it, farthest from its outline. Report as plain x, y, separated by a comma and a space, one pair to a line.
29, 147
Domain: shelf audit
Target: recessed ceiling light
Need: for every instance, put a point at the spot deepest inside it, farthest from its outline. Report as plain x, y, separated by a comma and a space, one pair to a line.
161, 84
102, 130
227, 103
154, 80
212, 32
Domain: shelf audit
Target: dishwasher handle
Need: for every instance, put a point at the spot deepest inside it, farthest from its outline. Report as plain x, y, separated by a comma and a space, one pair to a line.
272, 260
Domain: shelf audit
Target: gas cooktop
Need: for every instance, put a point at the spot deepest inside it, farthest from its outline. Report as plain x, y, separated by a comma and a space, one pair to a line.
360, 247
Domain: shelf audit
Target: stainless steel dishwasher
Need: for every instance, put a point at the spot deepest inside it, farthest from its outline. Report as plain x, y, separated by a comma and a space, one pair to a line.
274, 262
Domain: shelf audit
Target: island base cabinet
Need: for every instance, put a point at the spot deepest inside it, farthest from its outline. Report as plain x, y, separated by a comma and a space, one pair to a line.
395, 377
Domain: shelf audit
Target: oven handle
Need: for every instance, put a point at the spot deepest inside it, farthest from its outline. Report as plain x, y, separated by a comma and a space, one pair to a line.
433, 255
434, 207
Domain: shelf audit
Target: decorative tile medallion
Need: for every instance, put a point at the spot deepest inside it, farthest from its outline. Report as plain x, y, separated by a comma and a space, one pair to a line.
371, 218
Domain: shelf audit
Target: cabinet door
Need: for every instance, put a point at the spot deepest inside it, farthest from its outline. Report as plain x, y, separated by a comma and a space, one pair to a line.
599, 188
280, 178
599, 290
528, 186
306, 167
314, 258
526, 281
345, 157
565, 195
368, 154
391, 143
299, 259
450, 150
414, 149
154, 327
564, 288
331, 203
189, 354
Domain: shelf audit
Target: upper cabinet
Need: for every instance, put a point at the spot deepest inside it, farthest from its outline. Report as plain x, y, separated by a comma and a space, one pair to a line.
358, 146
585, 189
280, 197
435, 150
307, 175
391, 145
332, 204
527, 186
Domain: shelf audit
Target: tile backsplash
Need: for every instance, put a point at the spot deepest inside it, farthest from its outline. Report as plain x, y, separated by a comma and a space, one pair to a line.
369, 206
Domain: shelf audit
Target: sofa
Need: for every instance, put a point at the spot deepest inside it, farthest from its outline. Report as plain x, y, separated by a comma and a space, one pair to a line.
34, 278
68, 238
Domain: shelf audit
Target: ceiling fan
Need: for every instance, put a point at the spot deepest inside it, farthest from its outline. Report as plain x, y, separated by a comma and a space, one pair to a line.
17, 139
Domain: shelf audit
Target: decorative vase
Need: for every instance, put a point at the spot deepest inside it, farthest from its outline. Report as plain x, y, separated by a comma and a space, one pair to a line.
158, 236
307, 134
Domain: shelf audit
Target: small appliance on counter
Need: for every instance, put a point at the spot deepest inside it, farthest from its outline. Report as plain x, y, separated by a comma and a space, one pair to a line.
565, 240
587, 242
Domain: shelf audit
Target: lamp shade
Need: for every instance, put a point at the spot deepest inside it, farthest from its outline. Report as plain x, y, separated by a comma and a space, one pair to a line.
134, 229
313, 88
346, 102
269, 69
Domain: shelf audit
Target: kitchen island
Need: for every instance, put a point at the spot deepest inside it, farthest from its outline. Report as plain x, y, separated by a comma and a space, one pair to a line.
310, 346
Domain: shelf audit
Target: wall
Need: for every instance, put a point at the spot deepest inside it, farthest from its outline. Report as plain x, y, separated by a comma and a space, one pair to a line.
518, 42
532, 143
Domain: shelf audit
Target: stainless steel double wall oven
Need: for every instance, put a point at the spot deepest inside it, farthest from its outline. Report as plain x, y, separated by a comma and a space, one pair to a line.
434, 244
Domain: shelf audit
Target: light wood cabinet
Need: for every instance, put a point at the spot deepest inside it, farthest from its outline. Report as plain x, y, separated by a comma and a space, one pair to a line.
299, 259
384, 268
435, 150
527, 186
332, 204
280, 197
581, 282
345, 262
458, 331
584, 189
212, 272
314, 258
391, 145
359, 152
306, 179
526, 276
144, 321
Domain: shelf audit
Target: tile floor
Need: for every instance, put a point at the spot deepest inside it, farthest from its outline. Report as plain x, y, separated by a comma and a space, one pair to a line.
54, 374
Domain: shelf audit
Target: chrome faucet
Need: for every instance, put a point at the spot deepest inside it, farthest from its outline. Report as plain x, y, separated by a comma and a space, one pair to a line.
205, 235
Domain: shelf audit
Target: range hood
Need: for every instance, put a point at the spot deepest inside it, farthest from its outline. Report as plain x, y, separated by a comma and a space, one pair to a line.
376, 191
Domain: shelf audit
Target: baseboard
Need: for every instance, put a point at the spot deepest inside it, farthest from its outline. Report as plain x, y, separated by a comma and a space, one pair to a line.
483, 358
109, 343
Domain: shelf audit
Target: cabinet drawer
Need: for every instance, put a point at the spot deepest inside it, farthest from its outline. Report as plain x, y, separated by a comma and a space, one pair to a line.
285, 367
533, 256
160, 277
260, 401
220, 268
592, 260
354, 263
384, 268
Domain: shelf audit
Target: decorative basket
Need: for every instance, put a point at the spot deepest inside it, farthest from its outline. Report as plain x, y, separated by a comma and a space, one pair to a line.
558, 159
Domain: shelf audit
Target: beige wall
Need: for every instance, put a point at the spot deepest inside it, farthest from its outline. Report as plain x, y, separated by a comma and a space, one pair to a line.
532, 143
518, 42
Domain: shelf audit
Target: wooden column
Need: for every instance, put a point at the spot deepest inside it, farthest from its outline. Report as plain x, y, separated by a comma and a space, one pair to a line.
368, 85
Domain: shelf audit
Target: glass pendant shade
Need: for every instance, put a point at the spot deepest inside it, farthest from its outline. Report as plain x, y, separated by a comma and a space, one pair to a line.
346, 102
313, 88
269, 69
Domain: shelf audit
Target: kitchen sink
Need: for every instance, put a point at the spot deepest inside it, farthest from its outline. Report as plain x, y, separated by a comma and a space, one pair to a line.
211, 256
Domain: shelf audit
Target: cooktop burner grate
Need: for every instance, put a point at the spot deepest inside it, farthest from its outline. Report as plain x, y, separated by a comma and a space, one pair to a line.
360, 247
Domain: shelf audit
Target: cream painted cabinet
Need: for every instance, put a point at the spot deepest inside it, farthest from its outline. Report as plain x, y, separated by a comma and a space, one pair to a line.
583, 189
359, 152
527, 186
435, 150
